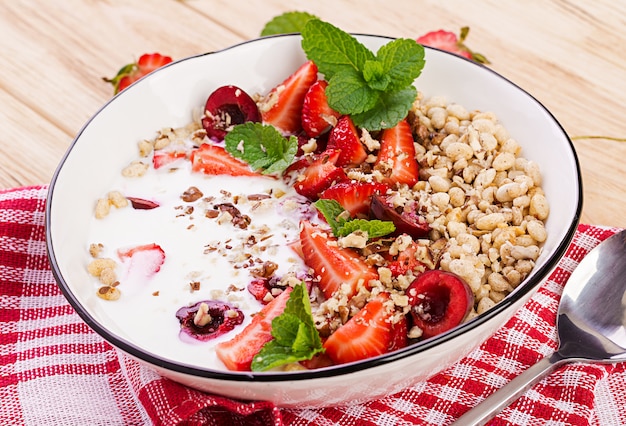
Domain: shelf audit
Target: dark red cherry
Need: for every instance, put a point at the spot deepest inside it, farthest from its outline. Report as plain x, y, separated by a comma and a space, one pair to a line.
439, 301
215, 319
407, 220
226, 107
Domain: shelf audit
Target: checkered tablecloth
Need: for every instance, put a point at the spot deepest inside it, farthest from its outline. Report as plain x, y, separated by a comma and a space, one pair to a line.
54, 370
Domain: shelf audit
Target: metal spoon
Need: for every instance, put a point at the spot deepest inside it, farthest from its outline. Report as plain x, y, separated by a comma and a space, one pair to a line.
590, 324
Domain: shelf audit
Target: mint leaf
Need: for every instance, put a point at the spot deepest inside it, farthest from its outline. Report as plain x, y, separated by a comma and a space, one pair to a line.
373, 88
332, 49
261, 146
295, 336
374, 228
348, 93
331, 209
389, 110
342, 224
402, 61
288, 22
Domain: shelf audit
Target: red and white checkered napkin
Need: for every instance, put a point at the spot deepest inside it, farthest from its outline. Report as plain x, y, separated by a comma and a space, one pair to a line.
55, 371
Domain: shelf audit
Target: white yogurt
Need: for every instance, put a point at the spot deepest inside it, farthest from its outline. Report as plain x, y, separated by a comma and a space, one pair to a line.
196, 250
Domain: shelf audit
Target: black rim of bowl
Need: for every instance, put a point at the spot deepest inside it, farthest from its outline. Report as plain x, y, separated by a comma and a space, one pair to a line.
539, 275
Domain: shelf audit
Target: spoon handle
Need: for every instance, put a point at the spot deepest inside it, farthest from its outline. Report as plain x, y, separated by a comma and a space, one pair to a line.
493, 404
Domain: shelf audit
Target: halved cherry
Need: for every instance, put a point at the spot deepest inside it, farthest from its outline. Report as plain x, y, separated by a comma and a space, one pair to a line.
208, 319
439, 301
406, 220
226, 107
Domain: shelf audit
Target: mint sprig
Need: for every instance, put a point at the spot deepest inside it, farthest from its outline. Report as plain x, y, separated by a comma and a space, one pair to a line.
288, 22
342, 224
375, 89
261, 146
295, 336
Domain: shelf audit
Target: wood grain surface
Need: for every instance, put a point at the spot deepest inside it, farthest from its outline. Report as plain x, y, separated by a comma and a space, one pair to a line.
566, 53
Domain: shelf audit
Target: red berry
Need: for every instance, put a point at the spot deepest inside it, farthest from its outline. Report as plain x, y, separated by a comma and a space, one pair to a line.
396, 157
345, 137
215, 160
217, 318
355, 197
320, 173
282, 107
132, 72
407, 220
317, 115
142, 204
226, 107
439, 301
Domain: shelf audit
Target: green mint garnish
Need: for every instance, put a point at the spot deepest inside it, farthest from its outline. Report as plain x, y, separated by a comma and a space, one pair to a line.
288, 22
295, 336
261, 146
342, 224
375, 89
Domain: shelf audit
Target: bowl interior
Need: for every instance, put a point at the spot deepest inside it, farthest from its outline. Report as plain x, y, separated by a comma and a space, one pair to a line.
167, 97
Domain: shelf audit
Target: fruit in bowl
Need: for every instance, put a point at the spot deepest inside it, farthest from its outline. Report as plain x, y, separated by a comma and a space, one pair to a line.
386, 240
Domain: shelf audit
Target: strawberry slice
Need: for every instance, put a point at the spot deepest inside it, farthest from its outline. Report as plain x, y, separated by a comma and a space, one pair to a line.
317, 115
333, 265
132, 72
237, 353
367, 334
320, 173
282, 107
345, 137
162, 158
446, 40
215, 160
405, 261
397, 155
356, 197
143, 261
439, 301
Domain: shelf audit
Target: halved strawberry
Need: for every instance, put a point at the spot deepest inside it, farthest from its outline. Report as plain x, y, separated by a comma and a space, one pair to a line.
143, 261
215, 160
162, 158
132, 72
237, 353
344, 136
356, 197
439, 301
397, 155
319, 174
317, 115
405, 261
368, 333
282, 107
333, 265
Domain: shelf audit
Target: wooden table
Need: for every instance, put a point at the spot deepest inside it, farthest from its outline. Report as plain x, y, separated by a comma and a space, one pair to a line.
567, 53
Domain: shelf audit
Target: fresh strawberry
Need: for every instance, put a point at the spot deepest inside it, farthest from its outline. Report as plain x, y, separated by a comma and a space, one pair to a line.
320, 173
333, 265
448, 41
367, 334
405, 261
143, 261
282, 107
317, 115
344, 136
356, 197
237, 353
215, 160
397, 155
161, 158
132, 72
439, 301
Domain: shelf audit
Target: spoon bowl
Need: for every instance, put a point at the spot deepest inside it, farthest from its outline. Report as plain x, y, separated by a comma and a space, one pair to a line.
591, 324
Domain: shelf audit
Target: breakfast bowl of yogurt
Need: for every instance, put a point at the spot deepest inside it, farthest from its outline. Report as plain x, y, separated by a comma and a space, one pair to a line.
308, 222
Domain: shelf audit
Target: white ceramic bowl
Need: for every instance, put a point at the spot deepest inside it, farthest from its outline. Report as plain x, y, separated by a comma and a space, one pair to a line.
166, 97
